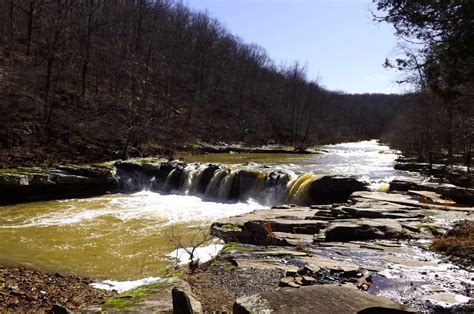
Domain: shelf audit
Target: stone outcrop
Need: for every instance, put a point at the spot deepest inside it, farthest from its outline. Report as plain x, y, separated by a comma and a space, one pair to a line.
317, 299
447, 191
455, 175
30, 184
236, 148
353, 244
332, 189
265, 227
163, 296
368, 216
184, 302
33, 184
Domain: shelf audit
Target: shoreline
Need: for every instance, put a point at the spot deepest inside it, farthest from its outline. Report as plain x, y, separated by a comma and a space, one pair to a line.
26, 289
297, 235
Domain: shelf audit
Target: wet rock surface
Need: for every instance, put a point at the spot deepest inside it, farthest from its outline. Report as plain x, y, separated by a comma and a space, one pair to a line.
23, 289
455, 174
375, 242
463, 195
162, 296
209, 180
331, 189
320, 299
20, 185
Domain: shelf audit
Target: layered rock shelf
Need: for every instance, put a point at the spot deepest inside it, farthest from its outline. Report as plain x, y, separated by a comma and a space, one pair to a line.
208, 180
375, 242
334, 246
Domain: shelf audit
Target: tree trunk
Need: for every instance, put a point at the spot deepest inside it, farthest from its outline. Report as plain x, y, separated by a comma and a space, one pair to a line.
47, 90
29, 30
449, 135
10, 27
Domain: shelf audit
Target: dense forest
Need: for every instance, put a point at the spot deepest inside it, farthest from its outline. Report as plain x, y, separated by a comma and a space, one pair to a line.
436, 124
99, 79
85, 79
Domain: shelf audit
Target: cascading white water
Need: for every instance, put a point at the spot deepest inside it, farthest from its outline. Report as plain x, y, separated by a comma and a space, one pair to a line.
284, 182
125, 236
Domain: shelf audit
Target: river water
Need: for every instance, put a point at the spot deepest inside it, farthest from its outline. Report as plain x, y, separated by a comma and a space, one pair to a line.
129, 236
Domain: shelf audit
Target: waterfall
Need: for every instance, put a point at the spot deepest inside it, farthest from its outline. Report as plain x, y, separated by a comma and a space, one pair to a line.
223, 183
212, 189
223, 192
191, 175
297, 190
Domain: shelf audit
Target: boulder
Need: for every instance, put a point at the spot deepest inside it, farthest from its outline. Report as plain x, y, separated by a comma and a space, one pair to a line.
331, 189
184, 302
167, 295
316, 263
277, 178
59, 309
403, 185
317, 299
414, 167
138, 175
276, 226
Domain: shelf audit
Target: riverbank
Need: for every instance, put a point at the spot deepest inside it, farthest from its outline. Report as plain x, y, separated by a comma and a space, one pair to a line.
374, 248
26, 289
457, 243
350, 250
331, 231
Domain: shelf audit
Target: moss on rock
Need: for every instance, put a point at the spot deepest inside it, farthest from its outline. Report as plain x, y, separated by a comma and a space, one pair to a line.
130, 300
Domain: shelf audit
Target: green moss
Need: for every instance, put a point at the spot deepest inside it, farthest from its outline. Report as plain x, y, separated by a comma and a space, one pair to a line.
434, 229
233, 247
146, 161
19, 171
229, 246
130, 299
177, 273
106, 164
228, 266
231, 227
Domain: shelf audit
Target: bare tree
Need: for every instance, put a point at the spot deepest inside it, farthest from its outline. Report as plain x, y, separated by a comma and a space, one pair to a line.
190, 245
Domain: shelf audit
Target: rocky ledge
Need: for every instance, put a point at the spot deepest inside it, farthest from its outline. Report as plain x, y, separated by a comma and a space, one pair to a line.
19, 185
373, 247
449, 193
457, 175
239, 148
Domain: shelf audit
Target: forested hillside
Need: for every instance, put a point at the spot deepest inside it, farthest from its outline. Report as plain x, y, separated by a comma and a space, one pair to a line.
85, 80
436, 39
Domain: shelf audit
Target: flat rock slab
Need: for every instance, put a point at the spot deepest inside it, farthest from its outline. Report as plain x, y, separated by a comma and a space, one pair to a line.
152, 298
459, 194
367, 208
294, 239
403, 199
265, 264
432, 197
316, 263
318, 299
275, 226
295, 213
